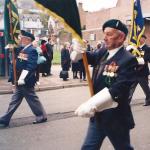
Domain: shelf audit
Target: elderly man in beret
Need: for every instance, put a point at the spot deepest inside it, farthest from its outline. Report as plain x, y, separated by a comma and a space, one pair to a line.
26, 64
113, 75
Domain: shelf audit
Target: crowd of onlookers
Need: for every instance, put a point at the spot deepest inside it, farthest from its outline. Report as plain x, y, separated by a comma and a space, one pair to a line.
45, 56
45, 48
77, 68
45, 51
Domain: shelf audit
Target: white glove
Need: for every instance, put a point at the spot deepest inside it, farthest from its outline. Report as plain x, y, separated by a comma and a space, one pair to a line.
22, 77
99, 102
77, 51
75, 56
129, 47
140, 60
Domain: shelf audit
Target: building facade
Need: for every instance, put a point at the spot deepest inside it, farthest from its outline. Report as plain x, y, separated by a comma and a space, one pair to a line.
31, 22
92, 22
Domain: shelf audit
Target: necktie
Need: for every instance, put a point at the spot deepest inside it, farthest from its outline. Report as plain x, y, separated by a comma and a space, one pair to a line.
101, 65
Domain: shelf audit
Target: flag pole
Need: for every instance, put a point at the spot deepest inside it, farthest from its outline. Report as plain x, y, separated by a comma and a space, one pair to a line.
88, 73
12, 49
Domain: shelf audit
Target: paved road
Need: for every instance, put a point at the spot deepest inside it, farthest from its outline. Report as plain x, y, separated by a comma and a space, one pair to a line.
64, 131
46, 83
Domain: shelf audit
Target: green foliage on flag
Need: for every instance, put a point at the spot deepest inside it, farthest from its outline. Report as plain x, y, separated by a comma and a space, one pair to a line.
11, 23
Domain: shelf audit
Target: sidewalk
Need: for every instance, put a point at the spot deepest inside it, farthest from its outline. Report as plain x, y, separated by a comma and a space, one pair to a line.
46, 83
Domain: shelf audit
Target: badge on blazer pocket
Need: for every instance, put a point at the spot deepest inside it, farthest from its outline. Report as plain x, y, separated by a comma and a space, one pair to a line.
23, 56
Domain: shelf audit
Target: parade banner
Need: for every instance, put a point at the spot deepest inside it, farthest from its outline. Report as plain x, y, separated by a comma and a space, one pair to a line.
137, 24
11, 23
11, 30
2, 54
66, 11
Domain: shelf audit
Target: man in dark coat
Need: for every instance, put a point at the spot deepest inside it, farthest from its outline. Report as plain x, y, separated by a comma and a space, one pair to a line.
65, 57
142, 70
82, 70
65, 60
113, 75
26, 64
49, 47
88, 47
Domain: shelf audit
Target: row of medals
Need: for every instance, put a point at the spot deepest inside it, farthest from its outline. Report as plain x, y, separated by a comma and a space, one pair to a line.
22, 56
110, 70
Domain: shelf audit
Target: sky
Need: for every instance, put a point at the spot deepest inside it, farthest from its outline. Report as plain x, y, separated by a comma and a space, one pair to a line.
95, 5
89, 5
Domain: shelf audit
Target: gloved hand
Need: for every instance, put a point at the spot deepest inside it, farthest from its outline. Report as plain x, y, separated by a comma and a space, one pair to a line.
140, 60
85, 110
99, 102
130, 47
133, 49
77, 51
21, 82
22, 77
137, 53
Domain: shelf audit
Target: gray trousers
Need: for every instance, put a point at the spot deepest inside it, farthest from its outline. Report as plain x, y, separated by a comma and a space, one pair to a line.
32, 100
143, 81
97, 132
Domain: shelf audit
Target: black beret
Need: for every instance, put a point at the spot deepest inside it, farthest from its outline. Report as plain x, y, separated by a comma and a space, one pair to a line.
116, 24
43, 41
28, 34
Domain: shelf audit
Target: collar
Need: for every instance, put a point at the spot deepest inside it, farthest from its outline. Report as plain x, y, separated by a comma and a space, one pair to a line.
141, 46
27, 46
113, 52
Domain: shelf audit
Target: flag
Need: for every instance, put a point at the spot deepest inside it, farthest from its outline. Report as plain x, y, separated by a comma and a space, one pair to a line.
137, 26
11, 23
66, 11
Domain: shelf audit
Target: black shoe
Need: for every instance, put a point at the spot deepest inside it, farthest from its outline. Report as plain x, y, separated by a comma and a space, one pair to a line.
75, 77
3, 125
147, 104
49, 74
40, 121
64, 79
44, 75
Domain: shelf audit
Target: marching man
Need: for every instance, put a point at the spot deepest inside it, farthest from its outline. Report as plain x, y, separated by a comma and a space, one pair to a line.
26, 64
113, 75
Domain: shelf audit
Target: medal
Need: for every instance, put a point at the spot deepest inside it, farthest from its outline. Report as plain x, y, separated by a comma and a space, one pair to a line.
23, 56
110, 70
108, 74
111, 74
104, 73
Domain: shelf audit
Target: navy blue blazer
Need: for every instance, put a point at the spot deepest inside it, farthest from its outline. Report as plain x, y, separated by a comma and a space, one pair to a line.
27, 60
119, 85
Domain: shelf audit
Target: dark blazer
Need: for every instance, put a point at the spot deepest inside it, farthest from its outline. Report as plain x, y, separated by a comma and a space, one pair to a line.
143, 70
118, 85
49, 51
29, 63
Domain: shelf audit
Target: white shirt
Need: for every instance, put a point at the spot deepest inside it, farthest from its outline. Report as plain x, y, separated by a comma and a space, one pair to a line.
113, 52
27, 46
142, 46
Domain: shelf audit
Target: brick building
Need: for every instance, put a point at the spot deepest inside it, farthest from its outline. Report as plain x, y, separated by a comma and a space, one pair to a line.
92, 22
